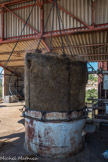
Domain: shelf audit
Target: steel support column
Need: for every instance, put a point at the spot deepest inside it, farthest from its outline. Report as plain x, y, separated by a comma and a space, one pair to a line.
2, 24
101, 91
93, 12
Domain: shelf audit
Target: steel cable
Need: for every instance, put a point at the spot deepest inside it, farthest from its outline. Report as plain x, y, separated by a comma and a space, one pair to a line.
19, 36
45, 26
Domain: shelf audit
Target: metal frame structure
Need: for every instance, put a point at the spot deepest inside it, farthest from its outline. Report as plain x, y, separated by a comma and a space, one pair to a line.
86, 28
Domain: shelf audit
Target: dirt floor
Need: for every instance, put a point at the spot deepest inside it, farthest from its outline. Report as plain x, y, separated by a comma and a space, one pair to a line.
12, 139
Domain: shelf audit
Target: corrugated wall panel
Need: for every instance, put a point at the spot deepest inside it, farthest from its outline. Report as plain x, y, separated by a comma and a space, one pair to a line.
13, 26
101, 15
82, 44
80, 8
3, 1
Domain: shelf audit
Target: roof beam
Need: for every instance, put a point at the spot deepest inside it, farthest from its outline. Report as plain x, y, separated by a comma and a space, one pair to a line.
69, 32
84, 45
44, 43
55, 34
14, 2
9, 10
6, 68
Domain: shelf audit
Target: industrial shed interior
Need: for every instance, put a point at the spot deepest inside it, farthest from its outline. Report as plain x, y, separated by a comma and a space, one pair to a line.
46, 50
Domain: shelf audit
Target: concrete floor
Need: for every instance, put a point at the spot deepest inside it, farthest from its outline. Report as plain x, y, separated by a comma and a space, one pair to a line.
12, 139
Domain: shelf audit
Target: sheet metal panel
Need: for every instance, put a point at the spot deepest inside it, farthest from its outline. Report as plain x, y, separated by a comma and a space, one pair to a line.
3, 1
101, 14
22, 46
105, 83
13, 26
79, 8
82, 44
53, 138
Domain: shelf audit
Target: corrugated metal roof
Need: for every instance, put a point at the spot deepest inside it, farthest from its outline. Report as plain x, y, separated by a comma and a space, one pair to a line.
22, 46
19, 53
80, 8
86, 46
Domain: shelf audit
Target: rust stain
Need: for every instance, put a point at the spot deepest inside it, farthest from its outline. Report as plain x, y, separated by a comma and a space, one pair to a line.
47, 131
55, 115
45, 146
40, 138
30, 132
73, 141
45, 140
26, 123
31, 122
29, 147
47, 135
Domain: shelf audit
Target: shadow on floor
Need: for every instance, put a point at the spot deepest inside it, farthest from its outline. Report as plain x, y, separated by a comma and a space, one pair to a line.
11, 106
3, 106
21, 135
96, 144
22, 121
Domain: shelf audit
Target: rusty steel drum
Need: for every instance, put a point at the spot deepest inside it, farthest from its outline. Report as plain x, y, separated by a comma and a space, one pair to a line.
54, 134
55, 101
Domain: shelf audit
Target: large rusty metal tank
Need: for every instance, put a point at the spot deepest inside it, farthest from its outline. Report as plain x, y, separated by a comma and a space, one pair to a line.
55, 94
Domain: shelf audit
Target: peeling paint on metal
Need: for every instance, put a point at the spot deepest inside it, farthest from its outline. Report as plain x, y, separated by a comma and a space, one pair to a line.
48, 139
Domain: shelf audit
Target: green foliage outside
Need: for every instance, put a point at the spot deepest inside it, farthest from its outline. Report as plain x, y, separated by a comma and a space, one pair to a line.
92, 78
91, 93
